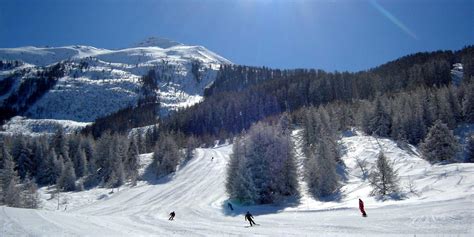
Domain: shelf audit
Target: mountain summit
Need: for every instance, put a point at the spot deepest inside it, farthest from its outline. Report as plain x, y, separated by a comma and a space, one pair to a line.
158, 42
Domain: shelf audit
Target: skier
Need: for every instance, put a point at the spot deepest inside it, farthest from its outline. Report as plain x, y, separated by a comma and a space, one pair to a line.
172, 214
212, 159
361, 208
249, 217
230, 206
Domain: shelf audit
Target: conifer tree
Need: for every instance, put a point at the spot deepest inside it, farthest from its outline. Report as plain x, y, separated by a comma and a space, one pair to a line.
191, 145
67, 179
29, 195
166, 156
59, 143
320, 170
262, 169
132, 162
440, 143
380, 122
468, 104
239, 183
470, 149
81, 168
384, 180
322, 154
9, 180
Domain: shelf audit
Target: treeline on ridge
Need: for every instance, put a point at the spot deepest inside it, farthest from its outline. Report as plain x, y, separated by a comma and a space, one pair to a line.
243, 95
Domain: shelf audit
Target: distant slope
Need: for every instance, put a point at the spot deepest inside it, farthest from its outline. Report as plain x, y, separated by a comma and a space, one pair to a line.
97, 82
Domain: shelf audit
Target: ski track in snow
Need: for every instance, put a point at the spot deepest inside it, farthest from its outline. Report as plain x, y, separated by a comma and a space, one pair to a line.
196, 192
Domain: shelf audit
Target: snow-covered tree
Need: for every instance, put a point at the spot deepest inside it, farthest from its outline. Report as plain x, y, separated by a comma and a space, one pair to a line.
263, 168
191, 145
383, 179
380, 123
9, 180
67, 179
468, 104
29, 195
320, 170
166, 156
239, 183
131, 165
119, 158
12, 193
59, 143
22, 155
81, 167
49, 170
440, 143
321, 150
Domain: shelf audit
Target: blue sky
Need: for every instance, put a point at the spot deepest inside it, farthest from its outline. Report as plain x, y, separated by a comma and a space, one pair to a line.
325, 34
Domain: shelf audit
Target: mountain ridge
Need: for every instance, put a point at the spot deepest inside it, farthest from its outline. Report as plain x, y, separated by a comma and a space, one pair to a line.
96, 82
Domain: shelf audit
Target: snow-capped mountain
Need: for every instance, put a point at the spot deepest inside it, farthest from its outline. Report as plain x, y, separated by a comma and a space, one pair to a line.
97, 82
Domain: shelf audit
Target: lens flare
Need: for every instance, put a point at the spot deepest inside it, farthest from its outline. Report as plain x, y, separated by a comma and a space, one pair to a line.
392, 18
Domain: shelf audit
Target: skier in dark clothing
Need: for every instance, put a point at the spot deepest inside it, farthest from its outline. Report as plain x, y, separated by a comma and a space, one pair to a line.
249, 217
230, 206
361, 208
172, 214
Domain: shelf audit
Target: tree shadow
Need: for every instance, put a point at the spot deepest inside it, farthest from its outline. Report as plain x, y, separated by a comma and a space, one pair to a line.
335, 197
398, 196
257, 210
407, 147
150, 177
341, 170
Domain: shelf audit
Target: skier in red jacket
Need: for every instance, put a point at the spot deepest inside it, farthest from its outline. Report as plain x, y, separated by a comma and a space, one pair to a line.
361, 208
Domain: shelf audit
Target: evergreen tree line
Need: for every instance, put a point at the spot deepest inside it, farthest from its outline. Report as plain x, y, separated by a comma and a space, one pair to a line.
242, 95
71, 162
10, 64
411, 71
406, 116
75, 162
423, 117
12, 192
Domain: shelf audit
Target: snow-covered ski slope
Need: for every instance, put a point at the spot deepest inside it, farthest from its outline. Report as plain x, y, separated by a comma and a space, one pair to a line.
98, 82
441, 203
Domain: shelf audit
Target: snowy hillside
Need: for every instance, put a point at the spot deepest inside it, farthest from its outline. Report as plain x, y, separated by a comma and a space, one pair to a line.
97, 82
40, 126
438, 202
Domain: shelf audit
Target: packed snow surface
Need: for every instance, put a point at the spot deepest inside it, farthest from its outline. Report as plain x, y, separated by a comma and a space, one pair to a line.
439, 202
